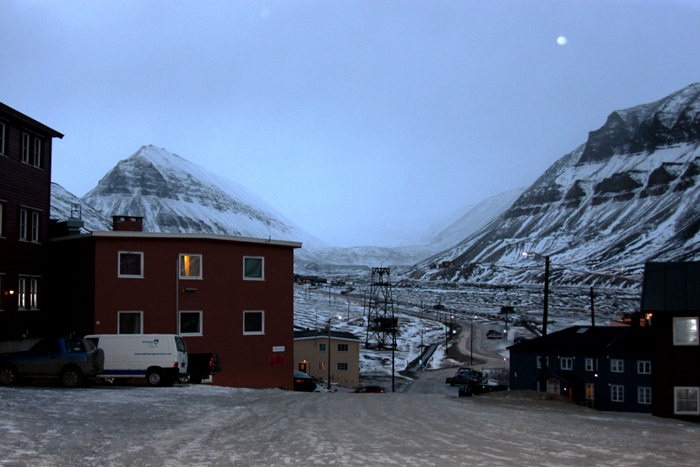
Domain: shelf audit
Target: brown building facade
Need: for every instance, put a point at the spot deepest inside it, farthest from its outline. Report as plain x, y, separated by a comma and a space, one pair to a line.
25, 199
312, 349
228, 295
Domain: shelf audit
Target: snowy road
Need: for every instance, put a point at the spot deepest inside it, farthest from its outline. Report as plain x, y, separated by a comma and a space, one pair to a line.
212, 426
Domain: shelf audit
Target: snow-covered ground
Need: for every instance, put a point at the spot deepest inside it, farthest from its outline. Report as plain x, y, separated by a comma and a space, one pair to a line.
199, 425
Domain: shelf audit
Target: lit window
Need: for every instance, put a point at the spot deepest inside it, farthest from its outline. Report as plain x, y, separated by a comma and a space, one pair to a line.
191, 323
34, 294
37, 152
22, 293
567, 363
253, 268
253, 322
130, 322
130, 264
343, 347
644, 395
590, 390
190, 266
617, 393
321, 366
617, 366
35, 226
321, 347
644, 367
342, 366
686, 400
23, 217
25, 148
685, 331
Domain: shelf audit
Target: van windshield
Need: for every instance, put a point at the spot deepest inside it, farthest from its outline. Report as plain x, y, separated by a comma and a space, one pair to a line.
180, 343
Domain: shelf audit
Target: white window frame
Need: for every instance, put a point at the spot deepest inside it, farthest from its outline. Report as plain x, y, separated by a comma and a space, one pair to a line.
33, 294
35, 226
201, 323
342, 366
590, 391
140, 313
23, 219
644, 395
322, 347
25, 147
2, 138
2, 219
546, 361
692, 340
22, 293
589, 365
37, 152
566, 363
201, 266
676, 390
617, 365
346, 347
617, 393
254, 333
644, 367
262, 267
119, 265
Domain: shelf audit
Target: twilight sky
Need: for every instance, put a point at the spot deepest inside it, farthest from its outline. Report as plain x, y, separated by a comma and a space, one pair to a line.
352, 118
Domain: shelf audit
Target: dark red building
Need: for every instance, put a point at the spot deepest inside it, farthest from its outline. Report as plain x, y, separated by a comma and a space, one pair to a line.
25, 190
228, 295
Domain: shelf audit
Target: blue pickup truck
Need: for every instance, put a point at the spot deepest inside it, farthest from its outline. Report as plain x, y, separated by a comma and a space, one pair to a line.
71, 361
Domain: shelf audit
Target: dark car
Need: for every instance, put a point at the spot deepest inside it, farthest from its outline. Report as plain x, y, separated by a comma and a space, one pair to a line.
369, 390
201, 366
473, 389
304, 382
491, 334
72, 361
465, 376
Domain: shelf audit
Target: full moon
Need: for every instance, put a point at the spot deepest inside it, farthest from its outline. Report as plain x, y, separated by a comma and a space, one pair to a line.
561, 40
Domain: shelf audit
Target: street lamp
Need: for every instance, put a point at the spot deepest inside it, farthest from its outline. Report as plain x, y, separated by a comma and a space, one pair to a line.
545, 316
329, 350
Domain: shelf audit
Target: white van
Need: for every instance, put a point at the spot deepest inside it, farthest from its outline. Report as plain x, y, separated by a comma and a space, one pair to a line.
160, 358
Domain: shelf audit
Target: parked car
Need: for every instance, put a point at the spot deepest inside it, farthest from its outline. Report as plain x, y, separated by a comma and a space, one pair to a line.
520, 339
369, 390
465, 376
473, 389
201, 366
304, 382
491, 334
72, 361
159, 358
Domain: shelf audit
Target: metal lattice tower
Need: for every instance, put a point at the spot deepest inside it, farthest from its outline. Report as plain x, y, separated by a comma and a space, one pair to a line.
381, 323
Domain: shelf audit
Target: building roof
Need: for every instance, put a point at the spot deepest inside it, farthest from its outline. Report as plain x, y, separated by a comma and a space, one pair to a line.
179, 235
6, 109
671, 287
323, 333
619, 340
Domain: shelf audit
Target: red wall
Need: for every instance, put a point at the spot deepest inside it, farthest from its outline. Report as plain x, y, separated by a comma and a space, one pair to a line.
222, 295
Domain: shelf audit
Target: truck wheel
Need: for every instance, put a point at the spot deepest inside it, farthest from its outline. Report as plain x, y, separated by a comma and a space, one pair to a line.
9, 375
71, 377
183, 379
155, 378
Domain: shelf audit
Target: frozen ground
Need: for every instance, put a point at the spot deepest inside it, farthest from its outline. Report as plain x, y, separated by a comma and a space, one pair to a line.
214, 426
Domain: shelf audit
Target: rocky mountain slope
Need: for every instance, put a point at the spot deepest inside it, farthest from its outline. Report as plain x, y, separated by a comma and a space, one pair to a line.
62, 202
630, 194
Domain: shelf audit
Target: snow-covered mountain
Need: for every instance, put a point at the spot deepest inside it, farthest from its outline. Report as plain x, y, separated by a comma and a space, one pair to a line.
630, 194
175, 195
62, 202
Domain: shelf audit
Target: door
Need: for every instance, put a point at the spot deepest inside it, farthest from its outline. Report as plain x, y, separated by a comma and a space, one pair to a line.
553, 386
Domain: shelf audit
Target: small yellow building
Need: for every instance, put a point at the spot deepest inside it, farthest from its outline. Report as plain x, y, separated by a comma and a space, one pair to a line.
341, 365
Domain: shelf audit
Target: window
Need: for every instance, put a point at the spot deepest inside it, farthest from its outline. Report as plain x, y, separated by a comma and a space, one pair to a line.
23, 224
546, 361
37, 153
2, 219
343, 347
2, 138
253, 322
617, 393
130, 322
22, 293
321, 366
590, 391
644, 395
644, 367
589, 364
686, 400
25, 148
253, 268
191, 323
617, 366
685, 331
130, 264
321, 347
566, 363
34, 294
2, 292
553, 386
190, 266
341, 366
35, 226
